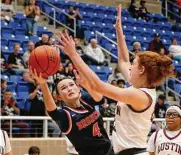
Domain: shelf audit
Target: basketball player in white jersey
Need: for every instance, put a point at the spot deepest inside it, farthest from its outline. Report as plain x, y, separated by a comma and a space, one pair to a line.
5, 146
167, 141
135, 104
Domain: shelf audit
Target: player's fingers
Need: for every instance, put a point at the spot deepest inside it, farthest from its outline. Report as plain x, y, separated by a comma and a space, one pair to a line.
66, 35
40, 75
35, 73
61, 41
63, 38
119, 11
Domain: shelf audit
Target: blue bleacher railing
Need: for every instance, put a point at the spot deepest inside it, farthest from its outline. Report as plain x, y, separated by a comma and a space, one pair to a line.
175, 9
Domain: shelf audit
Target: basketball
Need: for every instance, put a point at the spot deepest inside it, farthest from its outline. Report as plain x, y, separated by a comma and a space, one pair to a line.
45, 59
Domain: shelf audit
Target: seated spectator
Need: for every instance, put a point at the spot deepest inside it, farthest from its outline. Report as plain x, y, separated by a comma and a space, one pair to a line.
59, 74
78, 47
44, 41
32, 15
38, 109
136, 49
143, 12
26, 77
3, 63
69, 70
7, 10
31, 47
34, 150
93, 54
175, 50
133, 9
160, 107
116, 75
121, 83
156, 44
3, 87
15, 62
70, 22
10, 108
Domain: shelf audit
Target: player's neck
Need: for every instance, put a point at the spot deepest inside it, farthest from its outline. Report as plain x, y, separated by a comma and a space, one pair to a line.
74, 104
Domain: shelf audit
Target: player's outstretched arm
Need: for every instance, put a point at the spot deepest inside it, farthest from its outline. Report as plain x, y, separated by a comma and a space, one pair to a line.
123, 54
81, 80
127, 95
48, 99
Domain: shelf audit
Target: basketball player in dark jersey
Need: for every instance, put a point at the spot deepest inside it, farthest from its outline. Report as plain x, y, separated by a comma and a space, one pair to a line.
79, 120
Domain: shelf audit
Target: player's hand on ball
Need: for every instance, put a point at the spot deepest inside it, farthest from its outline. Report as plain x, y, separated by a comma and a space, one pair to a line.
40, 80
118, 19
67, 43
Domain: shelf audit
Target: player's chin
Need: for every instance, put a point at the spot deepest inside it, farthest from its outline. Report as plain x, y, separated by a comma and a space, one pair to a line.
73, 97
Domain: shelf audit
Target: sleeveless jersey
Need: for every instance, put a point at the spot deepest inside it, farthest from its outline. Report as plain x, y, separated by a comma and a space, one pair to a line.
131, 126
166, 144
86, 132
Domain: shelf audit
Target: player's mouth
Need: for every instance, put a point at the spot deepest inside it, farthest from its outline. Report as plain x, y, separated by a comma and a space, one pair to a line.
170, 122
70, 94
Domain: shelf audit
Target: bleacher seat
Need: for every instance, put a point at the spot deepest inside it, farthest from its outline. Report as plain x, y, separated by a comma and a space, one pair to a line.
5, 77
11, 86
22, 87
7, 30
24, 95
21, 103
20, 31
14, 78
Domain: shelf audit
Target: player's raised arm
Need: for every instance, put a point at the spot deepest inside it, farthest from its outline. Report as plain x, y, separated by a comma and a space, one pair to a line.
49, 102
128, 95
123, 54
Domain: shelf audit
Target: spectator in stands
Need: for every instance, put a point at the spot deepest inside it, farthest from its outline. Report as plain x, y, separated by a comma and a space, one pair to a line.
136, 49
93, 54
44, 41
121, 83
143, 12
15, 62
26, 77
3, 62
31, 47
38, 109
32, 16
10, 108
114, 82
78, 47
34, 150
160, 107
7, 10
5, 144
133, 9
59, 74
175, 50
70, 22
156, 44
69, 70
3, 87
116, 75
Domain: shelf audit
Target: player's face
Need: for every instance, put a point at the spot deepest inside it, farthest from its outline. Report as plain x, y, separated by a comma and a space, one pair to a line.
134, 71
68, 90
173, 119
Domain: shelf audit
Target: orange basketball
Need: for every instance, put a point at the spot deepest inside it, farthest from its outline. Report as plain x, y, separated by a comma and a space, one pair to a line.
45, 59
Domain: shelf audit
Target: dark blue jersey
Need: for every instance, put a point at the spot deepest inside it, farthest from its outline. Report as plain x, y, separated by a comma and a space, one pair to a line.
84, 128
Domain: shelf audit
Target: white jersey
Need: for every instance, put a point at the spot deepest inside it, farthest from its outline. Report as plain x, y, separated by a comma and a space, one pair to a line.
165, 142
132, 127
5, 146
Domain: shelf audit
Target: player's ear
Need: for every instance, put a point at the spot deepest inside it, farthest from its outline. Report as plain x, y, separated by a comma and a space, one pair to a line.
59, 97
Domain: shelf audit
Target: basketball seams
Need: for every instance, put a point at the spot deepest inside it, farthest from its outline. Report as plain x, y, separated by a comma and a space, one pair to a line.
47, 60
37, 61
57, 61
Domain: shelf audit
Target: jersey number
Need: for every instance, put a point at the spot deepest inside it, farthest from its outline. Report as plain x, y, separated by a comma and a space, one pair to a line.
96, 130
